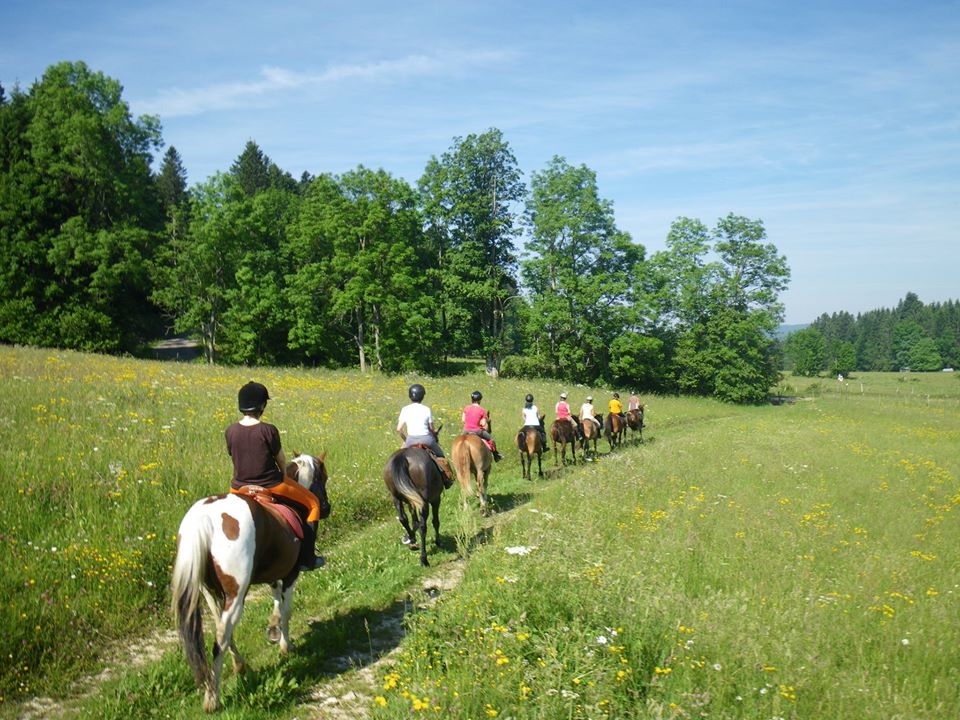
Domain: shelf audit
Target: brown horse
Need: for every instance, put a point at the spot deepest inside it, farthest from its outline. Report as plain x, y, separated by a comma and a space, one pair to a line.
635, 423
591, 431
225, 544
413, 478
472, 459
563, 433
529, 444
613, 429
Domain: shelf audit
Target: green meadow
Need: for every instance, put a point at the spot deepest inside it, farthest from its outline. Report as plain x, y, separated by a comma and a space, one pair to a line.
787, 561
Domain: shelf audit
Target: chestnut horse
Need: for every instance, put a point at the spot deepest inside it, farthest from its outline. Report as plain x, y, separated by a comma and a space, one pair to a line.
614, 428
413, 478
591, 431
564, 433
529, 444
472, 459
635, 423
225, 544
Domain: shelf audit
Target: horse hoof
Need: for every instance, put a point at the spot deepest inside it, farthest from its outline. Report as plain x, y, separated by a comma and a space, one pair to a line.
273, 635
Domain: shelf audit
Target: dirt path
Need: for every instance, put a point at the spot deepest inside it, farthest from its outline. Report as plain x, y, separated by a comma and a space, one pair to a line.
349, 693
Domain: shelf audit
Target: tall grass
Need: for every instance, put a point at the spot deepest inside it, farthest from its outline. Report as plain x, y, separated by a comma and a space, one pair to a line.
791, 561
797, 561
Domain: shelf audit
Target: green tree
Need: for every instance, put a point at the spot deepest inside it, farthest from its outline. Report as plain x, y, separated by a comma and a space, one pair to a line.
924, 356
467, 196
806, 349
844, 358
172, 181
717, 318
198, 270
252, 169
580, 270
80, 218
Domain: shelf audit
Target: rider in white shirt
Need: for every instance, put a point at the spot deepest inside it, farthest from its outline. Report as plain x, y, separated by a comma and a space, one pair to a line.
531, 418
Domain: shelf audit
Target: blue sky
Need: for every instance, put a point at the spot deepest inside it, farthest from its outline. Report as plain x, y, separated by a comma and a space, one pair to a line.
836, 123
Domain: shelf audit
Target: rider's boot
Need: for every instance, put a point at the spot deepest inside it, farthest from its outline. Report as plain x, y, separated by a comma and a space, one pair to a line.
307, 560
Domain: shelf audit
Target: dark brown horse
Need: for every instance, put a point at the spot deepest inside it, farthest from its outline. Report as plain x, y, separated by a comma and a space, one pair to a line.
635, 423
413, 478
529, 443
564, 433
225, 544
591, 432
472, 459
613, 429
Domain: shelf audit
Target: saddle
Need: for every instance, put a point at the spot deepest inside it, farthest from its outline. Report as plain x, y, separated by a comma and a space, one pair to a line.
274, 505
442, 465
488, 443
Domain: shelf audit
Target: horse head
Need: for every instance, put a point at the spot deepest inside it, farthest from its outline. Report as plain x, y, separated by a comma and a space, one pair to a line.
310, 472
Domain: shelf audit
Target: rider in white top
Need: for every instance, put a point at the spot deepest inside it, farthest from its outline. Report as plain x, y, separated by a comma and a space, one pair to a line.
531, 418
586, 411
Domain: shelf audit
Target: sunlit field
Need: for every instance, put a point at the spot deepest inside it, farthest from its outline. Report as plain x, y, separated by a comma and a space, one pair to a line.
788, 561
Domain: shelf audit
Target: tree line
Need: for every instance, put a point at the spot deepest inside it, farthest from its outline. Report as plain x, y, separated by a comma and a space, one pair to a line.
362, 268
911, 336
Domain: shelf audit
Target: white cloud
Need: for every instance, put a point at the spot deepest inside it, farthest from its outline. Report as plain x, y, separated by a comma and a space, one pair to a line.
273, 81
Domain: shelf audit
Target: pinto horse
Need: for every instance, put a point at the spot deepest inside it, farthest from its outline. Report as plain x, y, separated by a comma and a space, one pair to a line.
635, 423
472, 459
413, 478
591, 431
563, 433
529, 444
613, 429
225, 544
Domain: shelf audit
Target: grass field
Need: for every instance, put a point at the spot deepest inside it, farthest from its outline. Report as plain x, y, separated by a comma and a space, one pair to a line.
793, 561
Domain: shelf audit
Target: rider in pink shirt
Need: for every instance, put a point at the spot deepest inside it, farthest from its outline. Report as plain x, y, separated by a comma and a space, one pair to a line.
476, 420
563, 413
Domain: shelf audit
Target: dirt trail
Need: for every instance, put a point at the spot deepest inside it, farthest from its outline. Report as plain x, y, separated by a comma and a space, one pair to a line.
349, 693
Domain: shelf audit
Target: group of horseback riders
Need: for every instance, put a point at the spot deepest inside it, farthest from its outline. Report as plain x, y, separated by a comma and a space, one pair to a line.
258, 459
533, 418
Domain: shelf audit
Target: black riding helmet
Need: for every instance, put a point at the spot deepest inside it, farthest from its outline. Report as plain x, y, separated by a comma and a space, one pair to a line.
529, 398
252, 396
476, 396
417, 392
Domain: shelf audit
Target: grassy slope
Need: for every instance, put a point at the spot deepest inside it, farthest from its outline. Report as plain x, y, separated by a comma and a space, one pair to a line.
794, 561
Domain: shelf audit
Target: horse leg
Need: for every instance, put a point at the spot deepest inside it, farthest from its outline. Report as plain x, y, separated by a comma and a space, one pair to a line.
278, 631
539, 465
228, 619
436, 521
423, 534
402, 517
481, 477
279, 628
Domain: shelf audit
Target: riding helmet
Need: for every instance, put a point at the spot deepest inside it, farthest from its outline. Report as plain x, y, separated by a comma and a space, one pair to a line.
252, 396
589, 398
616, 395
476, 396
529, 397
563, 396
416, 392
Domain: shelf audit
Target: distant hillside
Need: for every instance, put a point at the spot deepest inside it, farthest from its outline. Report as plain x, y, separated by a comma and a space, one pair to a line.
785, 330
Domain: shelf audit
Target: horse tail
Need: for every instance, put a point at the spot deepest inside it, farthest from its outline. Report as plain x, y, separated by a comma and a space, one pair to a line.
462, 457
189, 568
400, 469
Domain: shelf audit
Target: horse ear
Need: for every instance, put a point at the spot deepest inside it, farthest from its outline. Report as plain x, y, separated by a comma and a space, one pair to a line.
323, 456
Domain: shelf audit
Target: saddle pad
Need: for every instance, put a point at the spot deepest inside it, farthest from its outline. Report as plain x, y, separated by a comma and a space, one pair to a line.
273, 504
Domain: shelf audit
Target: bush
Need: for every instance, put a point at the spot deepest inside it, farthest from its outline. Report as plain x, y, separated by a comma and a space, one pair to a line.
521, 366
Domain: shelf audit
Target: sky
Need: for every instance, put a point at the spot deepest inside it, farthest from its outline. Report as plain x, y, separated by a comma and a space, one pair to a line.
835, 123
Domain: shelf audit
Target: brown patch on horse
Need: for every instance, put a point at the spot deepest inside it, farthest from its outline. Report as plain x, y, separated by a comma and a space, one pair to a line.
231, 526
229, 584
